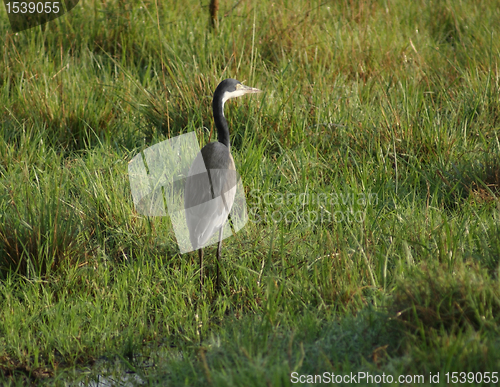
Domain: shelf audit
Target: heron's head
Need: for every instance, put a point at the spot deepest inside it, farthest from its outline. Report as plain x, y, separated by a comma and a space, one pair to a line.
231, 88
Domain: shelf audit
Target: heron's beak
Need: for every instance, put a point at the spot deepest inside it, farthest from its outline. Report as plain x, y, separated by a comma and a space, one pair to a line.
249, 90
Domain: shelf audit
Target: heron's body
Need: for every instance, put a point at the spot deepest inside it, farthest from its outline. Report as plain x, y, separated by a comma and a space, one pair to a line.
211, 184
209, 193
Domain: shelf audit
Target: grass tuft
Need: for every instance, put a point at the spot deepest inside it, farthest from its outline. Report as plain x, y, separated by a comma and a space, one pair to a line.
39, 232
440, 298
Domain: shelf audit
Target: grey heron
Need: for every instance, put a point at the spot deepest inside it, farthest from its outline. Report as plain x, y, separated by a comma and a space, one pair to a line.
211, 183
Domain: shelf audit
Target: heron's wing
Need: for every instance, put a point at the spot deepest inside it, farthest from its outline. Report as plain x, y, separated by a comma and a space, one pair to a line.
205, 214
203, 228
209, 192
208, 180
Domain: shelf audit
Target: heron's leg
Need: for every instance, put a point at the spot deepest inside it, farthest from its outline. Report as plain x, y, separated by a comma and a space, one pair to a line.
200, 254
218, 257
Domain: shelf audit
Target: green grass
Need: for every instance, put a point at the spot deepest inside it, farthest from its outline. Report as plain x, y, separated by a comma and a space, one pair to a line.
371, 166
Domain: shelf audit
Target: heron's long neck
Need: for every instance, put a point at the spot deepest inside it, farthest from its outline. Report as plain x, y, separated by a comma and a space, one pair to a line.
221, 122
